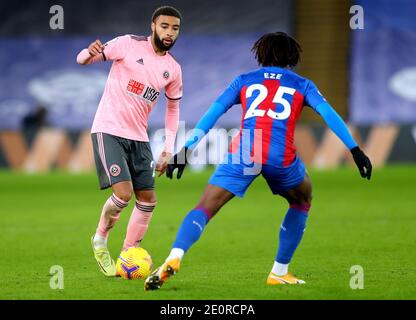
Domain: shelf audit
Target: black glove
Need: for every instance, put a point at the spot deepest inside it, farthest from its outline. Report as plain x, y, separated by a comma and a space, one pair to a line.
362, 161
178, 161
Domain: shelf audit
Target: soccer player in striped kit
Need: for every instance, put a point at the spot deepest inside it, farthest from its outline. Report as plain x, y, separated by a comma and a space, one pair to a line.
141, 68
272, 98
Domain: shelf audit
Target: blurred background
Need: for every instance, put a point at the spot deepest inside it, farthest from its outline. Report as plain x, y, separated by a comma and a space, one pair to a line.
360, 54
365, 68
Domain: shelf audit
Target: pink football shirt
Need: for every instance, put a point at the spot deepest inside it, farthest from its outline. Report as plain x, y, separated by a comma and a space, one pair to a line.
136, 78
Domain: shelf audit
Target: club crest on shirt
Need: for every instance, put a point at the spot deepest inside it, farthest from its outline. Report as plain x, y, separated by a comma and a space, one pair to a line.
166, 74
115, 170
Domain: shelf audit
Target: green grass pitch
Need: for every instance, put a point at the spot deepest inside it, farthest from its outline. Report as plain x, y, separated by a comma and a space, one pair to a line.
48, 220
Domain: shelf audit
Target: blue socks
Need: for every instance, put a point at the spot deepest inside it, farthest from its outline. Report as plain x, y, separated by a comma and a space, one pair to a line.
290, 235
291, 232
191, 228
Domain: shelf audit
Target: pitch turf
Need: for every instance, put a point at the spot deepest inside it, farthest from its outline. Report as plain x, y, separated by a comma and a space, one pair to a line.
48, 220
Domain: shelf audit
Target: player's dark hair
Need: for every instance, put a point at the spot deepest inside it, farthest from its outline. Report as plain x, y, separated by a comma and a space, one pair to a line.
166, 11
277, 49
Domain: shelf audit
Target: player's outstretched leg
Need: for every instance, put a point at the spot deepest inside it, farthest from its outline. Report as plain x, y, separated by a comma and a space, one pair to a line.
109, 216
291, 233
189, 232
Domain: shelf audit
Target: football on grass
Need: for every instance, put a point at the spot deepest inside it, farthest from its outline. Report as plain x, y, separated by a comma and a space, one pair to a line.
134, 263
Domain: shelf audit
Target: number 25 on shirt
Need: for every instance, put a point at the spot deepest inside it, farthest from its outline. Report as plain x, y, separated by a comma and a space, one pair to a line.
278, 98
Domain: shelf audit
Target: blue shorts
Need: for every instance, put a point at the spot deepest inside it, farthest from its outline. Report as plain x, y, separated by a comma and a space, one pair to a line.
236, 178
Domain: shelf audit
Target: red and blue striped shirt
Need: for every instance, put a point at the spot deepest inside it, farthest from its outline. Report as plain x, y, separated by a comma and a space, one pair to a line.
272, 99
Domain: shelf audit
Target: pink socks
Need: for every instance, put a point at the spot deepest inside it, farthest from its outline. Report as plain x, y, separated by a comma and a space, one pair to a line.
138, 224
110, 215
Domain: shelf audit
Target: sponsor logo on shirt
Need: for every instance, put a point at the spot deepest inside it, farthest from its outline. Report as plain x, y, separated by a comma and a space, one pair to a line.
142, 91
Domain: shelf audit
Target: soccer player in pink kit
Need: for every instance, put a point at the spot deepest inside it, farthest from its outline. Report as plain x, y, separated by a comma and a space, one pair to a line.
141, 68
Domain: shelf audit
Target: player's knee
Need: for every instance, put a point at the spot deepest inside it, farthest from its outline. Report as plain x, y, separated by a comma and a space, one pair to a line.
302, 202
124, 195
148, 198
305, 198
146, 202
206, 202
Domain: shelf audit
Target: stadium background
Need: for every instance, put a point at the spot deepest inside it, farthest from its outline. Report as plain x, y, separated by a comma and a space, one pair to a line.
42, 87
47, 101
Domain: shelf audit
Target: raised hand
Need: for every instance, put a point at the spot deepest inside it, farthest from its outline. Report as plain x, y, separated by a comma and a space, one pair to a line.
96, 48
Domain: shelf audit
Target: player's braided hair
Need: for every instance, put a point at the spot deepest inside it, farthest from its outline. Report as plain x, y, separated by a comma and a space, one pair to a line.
166, 11
277, 49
